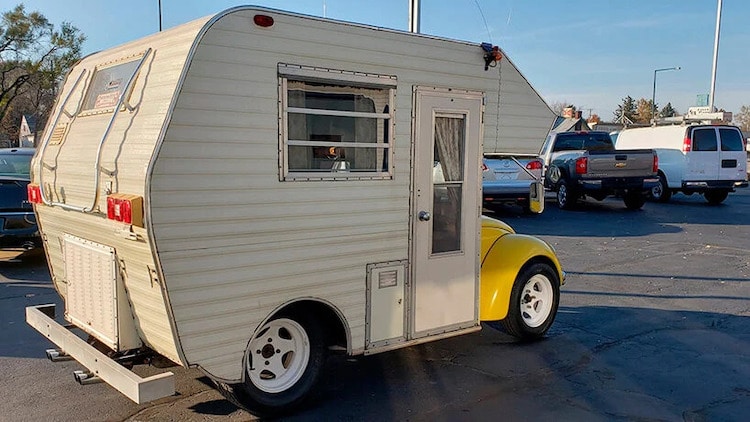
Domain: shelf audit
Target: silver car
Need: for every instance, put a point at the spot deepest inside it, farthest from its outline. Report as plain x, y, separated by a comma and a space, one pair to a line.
507, 180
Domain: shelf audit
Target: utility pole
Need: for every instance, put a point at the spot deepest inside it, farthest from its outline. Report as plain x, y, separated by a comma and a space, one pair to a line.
159, 15
716, 59
414, 16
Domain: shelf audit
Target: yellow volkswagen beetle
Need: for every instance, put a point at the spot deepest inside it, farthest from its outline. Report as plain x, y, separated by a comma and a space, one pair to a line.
520, 281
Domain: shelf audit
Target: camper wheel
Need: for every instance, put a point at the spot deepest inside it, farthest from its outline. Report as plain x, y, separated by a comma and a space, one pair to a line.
284, 361
533, 302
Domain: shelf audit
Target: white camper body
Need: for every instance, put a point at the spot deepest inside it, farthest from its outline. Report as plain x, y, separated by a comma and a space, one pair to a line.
278, 166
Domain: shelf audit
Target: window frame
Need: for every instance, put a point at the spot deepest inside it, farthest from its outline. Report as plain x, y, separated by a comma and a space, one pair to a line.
339, 78
127, 83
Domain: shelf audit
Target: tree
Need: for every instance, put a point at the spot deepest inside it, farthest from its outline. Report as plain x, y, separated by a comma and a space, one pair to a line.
559, 106
594, 118
34, 57
644, 110
668, 111
742, 118
626, 112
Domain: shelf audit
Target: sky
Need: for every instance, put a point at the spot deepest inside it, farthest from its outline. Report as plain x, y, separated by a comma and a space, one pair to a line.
591, 54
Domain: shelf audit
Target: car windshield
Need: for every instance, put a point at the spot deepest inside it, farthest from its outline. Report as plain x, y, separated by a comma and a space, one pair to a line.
14, 164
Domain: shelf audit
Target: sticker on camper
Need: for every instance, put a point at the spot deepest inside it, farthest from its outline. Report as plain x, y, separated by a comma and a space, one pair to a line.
108, 99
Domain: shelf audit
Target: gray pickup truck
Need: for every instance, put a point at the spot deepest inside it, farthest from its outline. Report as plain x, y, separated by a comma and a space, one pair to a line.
586, 164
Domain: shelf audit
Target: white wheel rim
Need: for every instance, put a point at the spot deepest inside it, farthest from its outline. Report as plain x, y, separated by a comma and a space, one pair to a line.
536, 300
279, 354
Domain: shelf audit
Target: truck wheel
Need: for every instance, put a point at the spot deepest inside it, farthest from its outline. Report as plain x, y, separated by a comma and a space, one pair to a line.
566, 198
284, 361
661, 192
533, 302
715, 197
634, 200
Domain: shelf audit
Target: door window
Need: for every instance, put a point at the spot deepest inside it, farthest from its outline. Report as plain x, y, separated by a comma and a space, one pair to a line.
704, 140
448, 176
731, 140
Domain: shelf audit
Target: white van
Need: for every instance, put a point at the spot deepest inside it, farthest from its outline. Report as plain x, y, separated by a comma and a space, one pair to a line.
707, 159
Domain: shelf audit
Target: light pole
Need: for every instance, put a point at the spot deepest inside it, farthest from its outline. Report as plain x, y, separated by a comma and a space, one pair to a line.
653, 94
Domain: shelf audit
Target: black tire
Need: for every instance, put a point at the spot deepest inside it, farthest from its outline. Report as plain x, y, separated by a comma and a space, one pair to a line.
566, 197
661, 192
716, 197
634, 200
257, 393
533, 302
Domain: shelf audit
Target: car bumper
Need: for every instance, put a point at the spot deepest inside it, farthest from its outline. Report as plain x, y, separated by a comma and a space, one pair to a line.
618, 184
714, 184
494, 190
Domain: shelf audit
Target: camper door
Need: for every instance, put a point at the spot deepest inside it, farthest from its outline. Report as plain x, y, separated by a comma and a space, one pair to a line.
446, 211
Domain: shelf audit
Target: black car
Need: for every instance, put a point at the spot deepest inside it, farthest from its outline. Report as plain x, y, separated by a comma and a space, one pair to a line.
18, 227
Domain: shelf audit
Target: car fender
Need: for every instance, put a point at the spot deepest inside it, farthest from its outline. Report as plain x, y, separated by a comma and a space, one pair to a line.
502, 263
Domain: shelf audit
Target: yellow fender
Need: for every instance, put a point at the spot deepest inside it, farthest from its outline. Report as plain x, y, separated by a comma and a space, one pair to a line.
504, 253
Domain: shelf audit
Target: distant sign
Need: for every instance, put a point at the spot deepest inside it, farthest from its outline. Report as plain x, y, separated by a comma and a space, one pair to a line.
697, 111
701, 100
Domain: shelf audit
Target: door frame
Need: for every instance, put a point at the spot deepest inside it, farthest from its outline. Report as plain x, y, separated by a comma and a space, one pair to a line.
471, 212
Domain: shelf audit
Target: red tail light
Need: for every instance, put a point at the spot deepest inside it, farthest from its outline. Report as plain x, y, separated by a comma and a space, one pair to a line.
582, 165
34, 193
125, 208
484, 167
655, 168
264, 21
687, 144
534, 165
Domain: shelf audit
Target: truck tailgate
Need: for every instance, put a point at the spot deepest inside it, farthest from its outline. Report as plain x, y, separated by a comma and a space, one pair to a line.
621, 163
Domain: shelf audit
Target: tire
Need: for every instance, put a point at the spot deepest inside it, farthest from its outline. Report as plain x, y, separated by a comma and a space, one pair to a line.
634, 200
661, 192
284, 362
715, 197
533, 302
566, 197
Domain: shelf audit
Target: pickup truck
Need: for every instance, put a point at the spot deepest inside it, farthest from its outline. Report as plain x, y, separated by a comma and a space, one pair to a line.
586, 164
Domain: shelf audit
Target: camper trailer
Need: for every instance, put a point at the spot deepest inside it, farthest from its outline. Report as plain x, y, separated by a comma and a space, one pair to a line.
249, 192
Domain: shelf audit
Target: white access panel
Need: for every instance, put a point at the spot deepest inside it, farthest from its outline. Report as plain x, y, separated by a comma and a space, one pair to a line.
386, 303
91, 274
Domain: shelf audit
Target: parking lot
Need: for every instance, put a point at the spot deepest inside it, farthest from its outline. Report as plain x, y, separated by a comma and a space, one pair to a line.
653, 325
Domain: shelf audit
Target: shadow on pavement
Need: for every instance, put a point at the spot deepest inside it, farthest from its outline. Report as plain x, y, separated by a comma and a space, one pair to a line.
617, 362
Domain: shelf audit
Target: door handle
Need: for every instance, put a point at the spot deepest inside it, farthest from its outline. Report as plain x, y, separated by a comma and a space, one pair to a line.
424, 216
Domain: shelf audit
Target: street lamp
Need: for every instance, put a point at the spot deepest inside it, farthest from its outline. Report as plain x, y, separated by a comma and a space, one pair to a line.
653, 94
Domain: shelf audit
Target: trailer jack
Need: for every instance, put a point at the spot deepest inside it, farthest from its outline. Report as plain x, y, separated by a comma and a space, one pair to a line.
57, 355
86, 377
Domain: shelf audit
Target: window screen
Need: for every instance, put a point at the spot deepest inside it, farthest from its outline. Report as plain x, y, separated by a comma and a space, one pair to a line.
335, 129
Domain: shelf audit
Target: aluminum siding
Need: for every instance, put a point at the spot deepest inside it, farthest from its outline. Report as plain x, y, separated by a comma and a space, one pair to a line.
234, 242
126, 154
